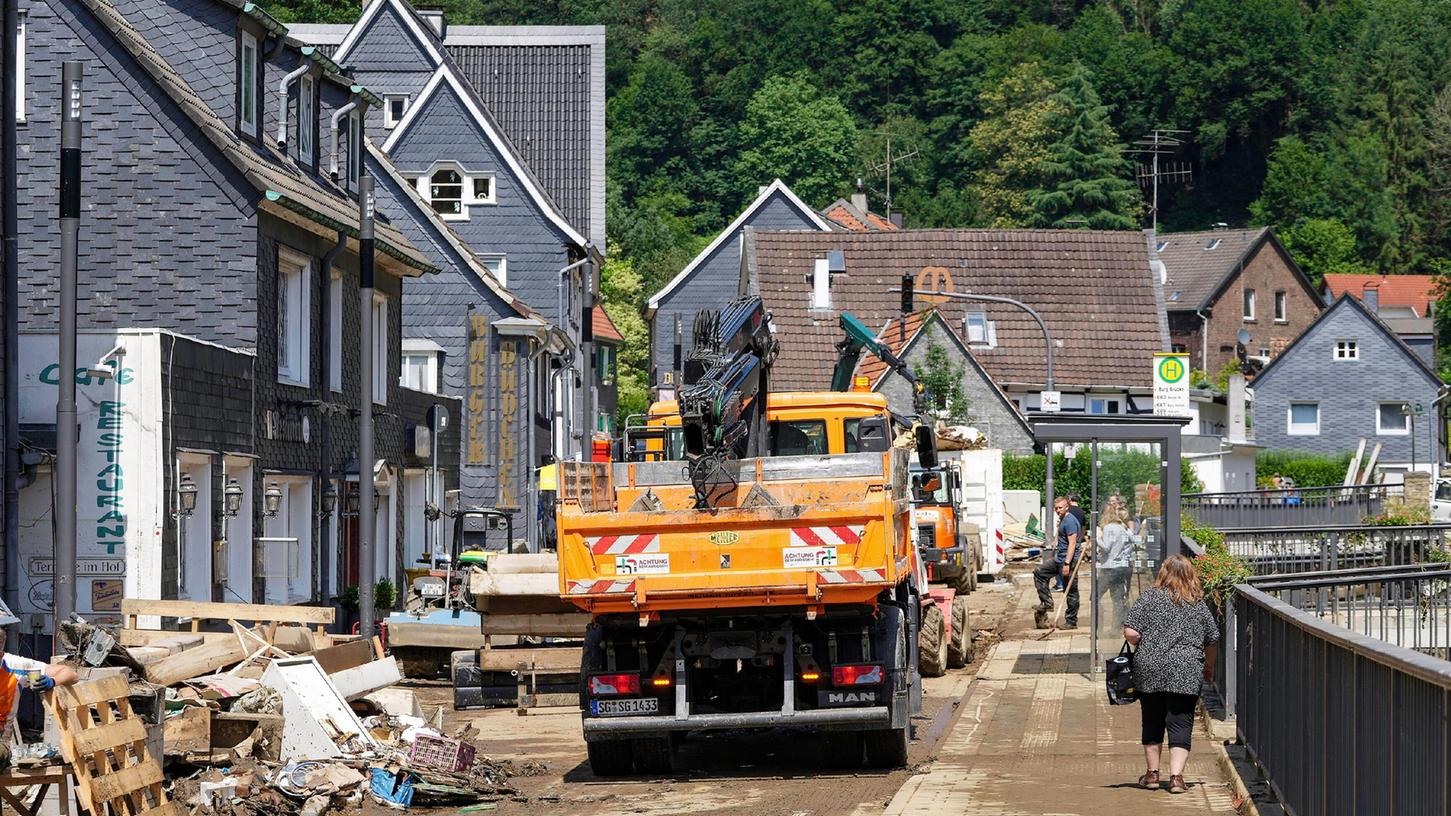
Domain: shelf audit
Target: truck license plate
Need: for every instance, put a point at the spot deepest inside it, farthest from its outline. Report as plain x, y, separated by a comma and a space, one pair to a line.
619, 708
431, 590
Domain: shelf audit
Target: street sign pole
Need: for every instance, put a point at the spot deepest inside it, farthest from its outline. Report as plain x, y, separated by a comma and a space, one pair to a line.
64, 604
367, 514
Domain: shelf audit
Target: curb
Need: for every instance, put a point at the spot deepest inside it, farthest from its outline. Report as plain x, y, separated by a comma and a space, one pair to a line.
1226, 766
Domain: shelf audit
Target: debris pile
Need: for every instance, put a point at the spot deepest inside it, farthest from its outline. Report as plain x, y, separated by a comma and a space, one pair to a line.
266, 720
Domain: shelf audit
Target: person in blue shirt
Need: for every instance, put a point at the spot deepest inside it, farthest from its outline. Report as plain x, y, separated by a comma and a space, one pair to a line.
1059, 562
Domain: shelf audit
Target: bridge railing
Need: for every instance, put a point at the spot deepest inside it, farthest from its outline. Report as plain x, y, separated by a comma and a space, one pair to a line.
1344, 692
1300, 506
1281, 550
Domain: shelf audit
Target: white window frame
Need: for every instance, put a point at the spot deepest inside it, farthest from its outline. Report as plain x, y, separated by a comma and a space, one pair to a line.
306, 119
1282, 307
248, 89
380, 349
294, 276
468, 182
1248, 302
335, 332
1404, 430
20, 65
426, 364
389, 120
1346, 350
1290, 427
501, 272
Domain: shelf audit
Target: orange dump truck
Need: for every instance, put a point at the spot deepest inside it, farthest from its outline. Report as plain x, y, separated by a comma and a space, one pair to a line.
795, 602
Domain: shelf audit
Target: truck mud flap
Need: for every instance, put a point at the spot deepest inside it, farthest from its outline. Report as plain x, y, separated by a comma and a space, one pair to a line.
857, 718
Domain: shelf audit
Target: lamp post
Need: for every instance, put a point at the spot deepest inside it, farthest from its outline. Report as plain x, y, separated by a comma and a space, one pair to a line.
367, 558
65, 405
232, 498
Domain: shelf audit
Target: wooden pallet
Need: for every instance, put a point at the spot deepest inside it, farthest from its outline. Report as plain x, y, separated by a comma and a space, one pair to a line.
105, 743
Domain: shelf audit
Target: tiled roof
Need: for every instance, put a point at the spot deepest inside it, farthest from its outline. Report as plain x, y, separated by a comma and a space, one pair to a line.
1415, 291
1094, 289
1198, 263
854, 219
272, 174
896, 336
604, 328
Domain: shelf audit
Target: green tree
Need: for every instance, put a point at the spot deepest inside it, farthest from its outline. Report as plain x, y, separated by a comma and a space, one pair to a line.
794, 132
1322, 246
650, 117
1084, 177
1011, 142
622, 295
943, 382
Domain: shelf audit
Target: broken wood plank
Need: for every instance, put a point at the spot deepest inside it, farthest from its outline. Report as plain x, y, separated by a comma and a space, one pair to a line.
187, 732
106, 787
152, 637
196, 662
103, 737
338, 658
94, 691
547, 625
207, 610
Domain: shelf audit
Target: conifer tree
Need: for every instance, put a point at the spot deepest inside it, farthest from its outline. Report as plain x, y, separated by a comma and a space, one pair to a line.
1084, 179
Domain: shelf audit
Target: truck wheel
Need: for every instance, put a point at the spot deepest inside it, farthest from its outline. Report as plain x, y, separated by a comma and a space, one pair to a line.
964, 583
932, 642
959, 644
611, 757
655, 755
841, 750
886, 749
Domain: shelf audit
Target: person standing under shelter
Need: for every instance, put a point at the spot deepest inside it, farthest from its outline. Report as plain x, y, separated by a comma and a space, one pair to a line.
1070, 540
1115, 560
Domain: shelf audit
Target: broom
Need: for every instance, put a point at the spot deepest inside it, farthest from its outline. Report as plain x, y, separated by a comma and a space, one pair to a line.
1060, 607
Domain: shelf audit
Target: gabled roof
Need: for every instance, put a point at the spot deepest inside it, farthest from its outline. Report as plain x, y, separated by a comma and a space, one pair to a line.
1347, 301
776, 186
1199, 265
418, 27
455, 242
286, 190
445, 77
1414, 291
604, 328
853, 218
1094, 289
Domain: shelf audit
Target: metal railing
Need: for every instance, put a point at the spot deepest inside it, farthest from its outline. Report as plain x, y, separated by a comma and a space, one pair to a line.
1298, 506
1286, 550
1340, 719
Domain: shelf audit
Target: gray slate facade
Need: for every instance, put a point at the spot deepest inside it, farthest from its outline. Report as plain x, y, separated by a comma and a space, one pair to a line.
1347, 393
712, 278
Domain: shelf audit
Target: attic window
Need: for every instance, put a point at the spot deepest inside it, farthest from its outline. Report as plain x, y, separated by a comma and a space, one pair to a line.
394, 106
446, 192
1162, 245
981, 333
1212, 243
1174, 297
247, 85
451, 190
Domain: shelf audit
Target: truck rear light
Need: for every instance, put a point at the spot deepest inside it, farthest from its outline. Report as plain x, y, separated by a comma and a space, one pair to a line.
862, 675
609, 685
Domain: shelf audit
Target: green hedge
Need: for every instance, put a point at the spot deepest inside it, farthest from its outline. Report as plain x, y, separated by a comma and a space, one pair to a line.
1118, 471
1308, 470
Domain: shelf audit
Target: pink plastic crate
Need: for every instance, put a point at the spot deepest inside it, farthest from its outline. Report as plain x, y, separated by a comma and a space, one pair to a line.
443, 753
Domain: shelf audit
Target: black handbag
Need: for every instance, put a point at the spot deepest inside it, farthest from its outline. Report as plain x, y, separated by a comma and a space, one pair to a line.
1119, 676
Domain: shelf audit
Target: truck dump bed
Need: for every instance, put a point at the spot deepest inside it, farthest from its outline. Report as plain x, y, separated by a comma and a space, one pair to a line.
797, 531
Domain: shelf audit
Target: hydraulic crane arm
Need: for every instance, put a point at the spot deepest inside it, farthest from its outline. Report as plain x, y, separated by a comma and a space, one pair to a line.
849, 352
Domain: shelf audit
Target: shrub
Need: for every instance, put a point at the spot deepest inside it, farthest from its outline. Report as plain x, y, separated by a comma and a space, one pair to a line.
1219, 571
1308, 470
1119, 471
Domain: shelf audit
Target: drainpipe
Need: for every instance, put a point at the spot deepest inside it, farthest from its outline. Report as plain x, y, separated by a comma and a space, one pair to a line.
1203, 339
337, 117
325, 527
562, 319
9, 226
282, 104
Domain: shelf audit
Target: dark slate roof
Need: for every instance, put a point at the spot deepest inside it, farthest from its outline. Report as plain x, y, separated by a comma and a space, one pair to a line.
274, 175
1094, 289
1198, 264
545, 86
1349, 301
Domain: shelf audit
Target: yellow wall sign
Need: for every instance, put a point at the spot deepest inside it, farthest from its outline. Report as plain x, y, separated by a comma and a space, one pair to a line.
1171, 384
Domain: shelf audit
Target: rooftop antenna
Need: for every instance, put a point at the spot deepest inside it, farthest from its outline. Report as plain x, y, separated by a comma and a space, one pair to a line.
885, 167
1160, 142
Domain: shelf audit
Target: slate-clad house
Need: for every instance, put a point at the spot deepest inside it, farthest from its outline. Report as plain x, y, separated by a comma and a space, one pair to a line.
1217, 282
1094, 289
221, 261
711, 279
501, 132
1348, 377
1406, 303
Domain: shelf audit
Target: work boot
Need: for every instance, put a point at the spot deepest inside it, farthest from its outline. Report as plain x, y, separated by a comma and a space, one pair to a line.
1040, 618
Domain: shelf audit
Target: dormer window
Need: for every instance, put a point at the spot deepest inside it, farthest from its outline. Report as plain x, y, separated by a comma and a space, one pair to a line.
394, 106
451, 190
306, 119
248, 107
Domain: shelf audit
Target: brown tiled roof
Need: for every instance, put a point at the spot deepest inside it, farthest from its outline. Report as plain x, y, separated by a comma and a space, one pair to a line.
852, 219
896, 338
1094, 289
604, 328
1415, 291
1198, 263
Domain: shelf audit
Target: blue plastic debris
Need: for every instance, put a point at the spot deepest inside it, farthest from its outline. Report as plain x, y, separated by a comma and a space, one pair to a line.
395, 787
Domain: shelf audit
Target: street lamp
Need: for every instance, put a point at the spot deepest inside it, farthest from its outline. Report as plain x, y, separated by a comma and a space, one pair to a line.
272, 499
186, 494
329, 498
350, 506
232, 498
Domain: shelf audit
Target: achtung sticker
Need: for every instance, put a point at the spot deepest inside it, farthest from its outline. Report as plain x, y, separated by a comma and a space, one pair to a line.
642, 564
799, 557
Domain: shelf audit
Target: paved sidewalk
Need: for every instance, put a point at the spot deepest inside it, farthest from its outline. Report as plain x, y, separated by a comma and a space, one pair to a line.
1036, 736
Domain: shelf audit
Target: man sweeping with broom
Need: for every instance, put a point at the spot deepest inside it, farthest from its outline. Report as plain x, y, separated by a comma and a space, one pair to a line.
1070, 546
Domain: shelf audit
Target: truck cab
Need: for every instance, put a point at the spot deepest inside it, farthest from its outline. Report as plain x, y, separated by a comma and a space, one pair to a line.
802, 423
948, 548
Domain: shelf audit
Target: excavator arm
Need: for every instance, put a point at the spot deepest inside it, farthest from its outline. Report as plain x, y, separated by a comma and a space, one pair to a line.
857, 337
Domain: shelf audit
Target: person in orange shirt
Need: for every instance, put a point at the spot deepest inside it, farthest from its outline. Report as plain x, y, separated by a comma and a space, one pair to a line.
18, 672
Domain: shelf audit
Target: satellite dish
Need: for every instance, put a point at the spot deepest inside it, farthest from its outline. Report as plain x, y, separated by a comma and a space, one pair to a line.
1243, 337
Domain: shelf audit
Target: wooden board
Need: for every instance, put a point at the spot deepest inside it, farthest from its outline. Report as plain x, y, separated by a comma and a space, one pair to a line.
337, 658
561, 625
544, 660
196, 662
105, 743
205, 610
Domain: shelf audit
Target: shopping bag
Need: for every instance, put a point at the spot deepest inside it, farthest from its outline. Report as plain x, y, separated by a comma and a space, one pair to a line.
1119, 676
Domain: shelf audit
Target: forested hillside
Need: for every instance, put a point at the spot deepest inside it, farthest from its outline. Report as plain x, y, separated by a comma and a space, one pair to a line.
1329, 119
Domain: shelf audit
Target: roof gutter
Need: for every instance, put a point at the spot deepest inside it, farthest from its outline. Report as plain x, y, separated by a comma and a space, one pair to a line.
282, 103
345, 228
313, 53
264, 19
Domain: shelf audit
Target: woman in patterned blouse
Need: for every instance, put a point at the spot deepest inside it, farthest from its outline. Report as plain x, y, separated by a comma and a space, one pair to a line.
1174, 635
